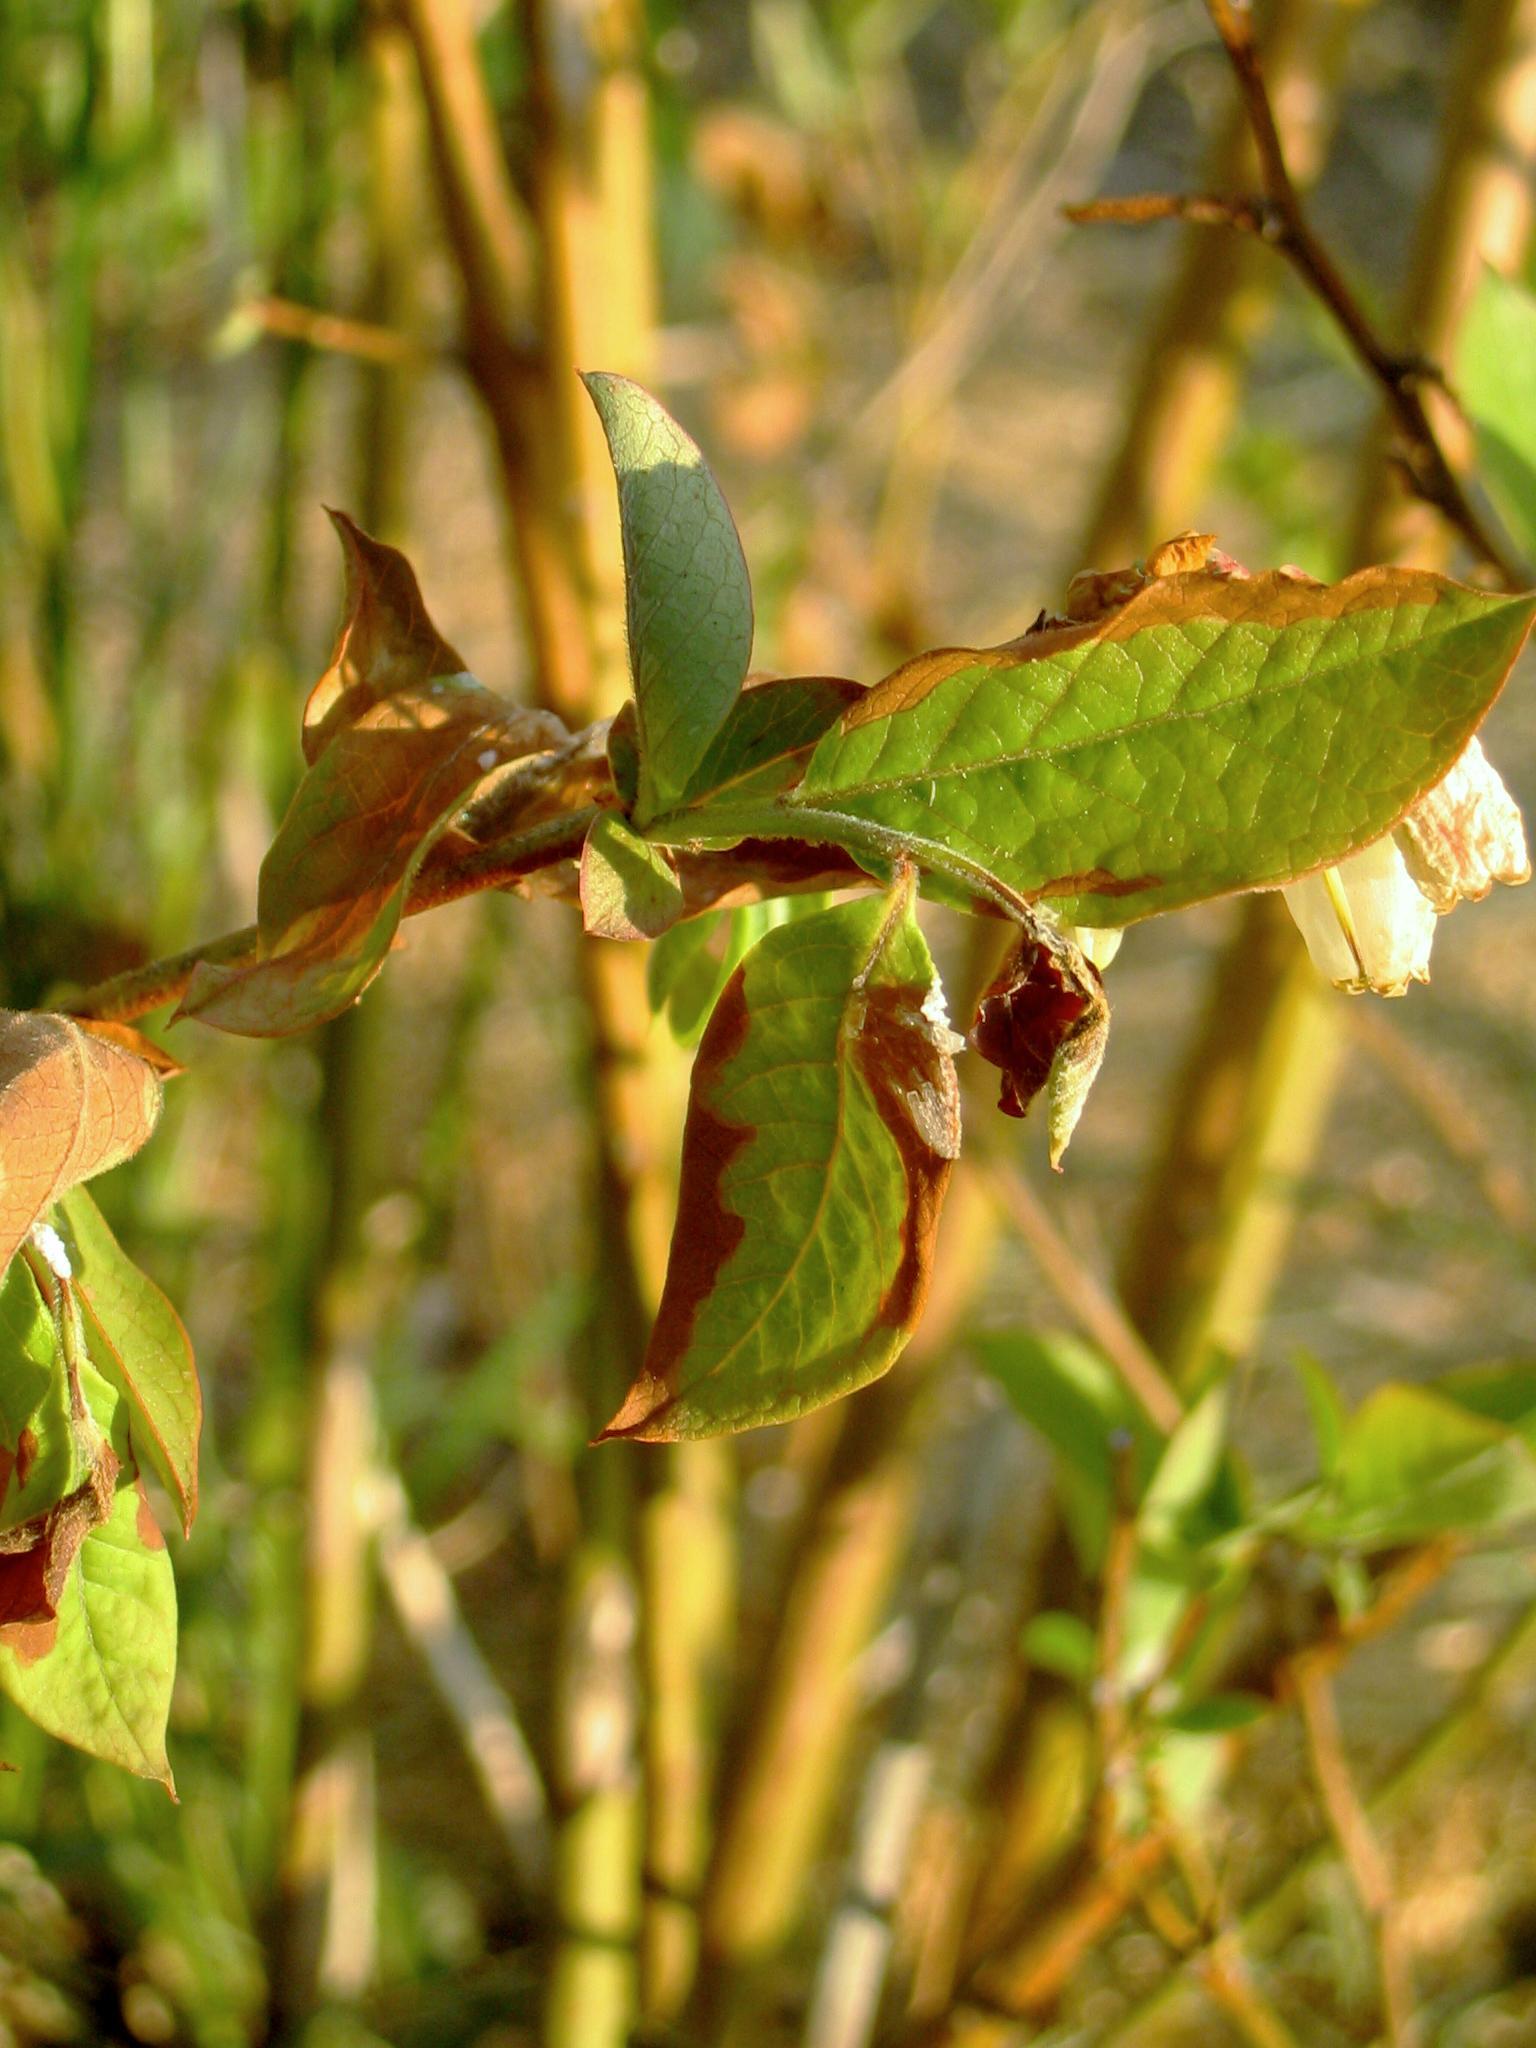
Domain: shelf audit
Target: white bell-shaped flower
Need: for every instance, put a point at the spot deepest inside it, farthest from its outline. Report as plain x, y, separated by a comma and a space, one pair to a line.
1365, 923
1369, 923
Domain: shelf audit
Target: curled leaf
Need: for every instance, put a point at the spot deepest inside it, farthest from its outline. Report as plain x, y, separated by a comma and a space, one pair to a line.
387, 641
72, 1104
165, 1064
397, 748
1044, 1021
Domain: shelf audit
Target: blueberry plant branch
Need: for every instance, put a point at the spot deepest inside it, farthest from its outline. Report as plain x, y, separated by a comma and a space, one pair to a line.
1183, 730
503, 864
1277, 217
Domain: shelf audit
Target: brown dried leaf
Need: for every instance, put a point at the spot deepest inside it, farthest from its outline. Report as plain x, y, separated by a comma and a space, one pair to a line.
399, 739
1044, 1021
72, 1103
387, 641
165, 1064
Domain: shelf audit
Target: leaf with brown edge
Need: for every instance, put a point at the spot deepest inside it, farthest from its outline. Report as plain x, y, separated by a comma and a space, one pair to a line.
823, 1120
767, 738
1045, 1023
36, 1556
137, 1342
72, 1104
165, 1064
99, 1672
387, 641
1212, 733
398, 748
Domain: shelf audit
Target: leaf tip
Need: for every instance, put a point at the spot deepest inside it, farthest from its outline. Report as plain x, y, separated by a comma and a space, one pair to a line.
641, 1418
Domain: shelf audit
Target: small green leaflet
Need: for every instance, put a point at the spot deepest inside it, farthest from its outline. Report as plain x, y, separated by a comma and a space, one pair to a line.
629, 889
823, 1120
1214, 733
137, 1340
36, 1456
688, 598
1414, 1463
767, 739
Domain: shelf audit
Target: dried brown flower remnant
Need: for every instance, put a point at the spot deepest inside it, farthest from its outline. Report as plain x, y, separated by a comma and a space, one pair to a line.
1045, 1023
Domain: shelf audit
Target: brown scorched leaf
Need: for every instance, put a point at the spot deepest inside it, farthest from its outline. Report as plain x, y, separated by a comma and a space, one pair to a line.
1044, 1021
387, 642
72, 1104
398, 742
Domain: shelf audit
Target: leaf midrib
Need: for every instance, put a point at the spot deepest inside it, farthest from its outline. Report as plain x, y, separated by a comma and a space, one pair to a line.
805, 793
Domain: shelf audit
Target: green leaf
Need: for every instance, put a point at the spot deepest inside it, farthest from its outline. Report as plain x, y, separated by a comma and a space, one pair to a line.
1061, 1643
36, 1459
822, 1123
100, 1675
1494, 382
1188, 1470
1329, 1418
764, 744
688, 598
1504, 1393
1219, 1713
629, 890
1191, 1772
1414, 1465
1070, 1393
690, 965
137, 1340
1211, 734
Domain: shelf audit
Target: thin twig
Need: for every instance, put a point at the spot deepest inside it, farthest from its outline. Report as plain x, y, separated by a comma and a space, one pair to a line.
336, 333
143, 989
1204, 209
1455, 1121
1278, 218
1267, 1919
1223, 1969
1026, 1978
1085, 1296
1109, 1705
1352, 1830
